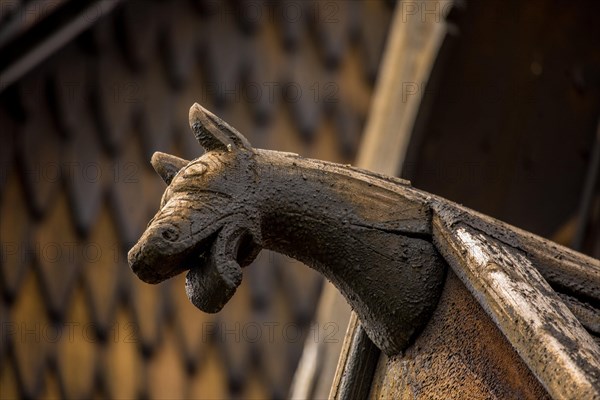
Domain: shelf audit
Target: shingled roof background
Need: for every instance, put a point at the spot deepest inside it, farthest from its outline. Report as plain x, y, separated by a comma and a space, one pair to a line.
76, 190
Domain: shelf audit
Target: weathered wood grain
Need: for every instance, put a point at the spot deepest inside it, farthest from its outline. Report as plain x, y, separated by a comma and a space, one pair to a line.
565, 269
461, 354
543, 330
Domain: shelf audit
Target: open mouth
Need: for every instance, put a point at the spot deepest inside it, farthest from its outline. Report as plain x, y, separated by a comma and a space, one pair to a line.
200, 254
214, 264
214, 275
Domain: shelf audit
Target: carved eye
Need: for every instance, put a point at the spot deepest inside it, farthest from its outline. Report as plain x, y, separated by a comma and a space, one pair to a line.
195, 169
170, 234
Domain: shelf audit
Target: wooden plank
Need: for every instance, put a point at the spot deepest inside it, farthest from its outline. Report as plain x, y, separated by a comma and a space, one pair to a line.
565, 269
362, 358
545, 333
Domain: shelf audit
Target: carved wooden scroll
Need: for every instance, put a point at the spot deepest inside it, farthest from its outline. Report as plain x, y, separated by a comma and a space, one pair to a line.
375, 237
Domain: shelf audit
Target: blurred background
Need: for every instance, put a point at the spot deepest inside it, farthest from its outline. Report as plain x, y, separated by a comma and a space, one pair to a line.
507, 124
78, 128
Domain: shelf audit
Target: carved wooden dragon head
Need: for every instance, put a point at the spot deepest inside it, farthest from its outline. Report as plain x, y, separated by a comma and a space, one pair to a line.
203, 224
353, 226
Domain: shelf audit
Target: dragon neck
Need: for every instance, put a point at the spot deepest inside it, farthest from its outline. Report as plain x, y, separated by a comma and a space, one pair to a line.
301, 197
354, 227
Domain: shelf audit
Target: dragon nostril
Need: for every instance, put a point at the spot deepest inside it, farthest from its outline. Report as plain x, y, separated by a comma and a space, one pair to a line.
170, 234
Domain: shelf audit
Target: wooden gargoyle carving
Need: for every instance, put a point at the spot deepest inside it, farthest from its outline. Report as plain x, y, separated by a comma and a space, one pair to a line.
384, 244
368, 234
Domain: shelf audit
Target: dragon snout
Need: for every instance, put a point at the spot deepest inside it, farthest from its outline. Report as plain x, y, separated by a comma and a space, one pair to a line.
141, 267
164, 251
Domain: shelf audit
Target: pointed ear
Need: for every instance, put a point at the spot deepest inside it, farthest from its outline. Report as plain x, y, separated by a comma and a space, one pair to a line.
167, 165
215, 134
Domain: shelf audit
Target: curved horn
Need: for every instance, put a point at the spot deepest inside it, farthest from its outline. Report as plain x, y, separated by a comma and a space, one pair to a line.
167, 165
213, 133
